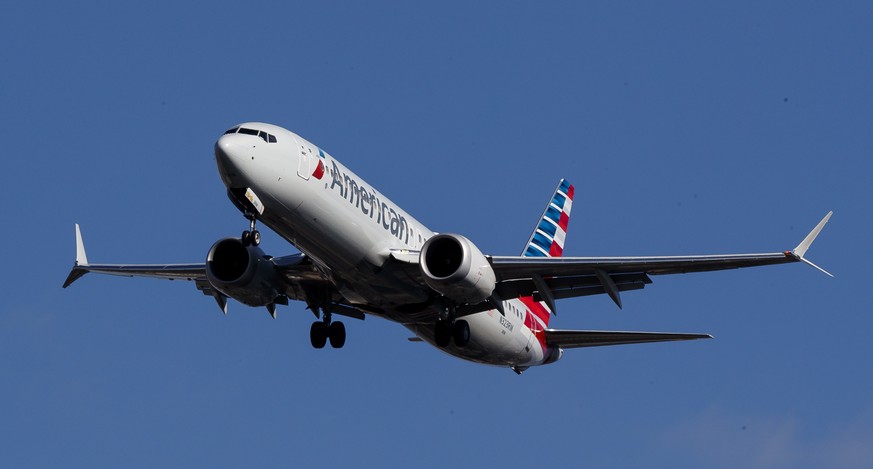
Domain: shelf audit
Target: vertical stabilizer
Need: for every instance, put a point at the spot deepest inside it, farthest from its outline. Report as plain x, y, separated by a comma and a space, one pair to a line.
547, 239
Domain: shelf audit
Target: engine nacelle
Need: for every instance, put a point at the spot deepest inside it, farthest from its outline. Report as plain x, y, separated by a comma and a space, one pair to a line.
243, 273
454, 267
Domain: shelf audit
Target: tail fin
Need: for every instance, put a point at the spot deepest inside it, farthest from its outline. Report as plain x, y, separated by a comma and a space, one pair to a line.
547, 239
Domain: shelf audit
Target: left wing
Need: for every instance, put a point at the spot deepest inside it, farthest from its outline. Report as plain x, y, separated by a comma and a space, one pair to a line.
296, 273
550, 278
195, 272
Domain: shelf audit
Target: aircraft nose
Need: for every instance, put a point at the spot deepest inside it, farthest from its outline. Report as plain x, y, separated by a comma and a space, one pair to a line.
228, 148
230, 156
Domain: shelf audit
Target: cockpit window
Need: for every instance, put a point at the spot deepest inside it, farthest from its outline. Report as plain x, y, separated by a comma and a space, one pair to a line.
269, 138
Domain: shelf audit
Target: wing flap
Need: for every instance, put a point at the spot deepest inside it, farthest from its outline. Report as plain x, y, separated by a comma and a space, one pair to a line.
571, 286
576, 339
594, 290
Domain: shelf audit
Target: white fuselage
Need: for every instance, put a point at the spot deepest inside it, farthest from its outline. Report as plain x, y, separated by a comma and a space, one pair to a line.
349, 230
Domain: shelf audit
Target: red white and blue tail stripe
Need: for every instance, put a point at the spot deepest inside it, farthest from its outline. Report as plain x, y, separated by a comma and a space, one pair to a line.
547, 239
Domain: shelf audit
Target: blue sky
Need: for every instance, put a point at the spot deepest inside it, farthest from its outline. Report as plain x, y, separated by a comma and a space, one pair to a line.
687, 128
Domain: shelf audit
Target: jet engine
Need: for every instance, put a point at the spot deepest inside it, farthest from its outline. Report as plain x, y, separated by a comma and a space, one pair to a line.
243, 273
454, 267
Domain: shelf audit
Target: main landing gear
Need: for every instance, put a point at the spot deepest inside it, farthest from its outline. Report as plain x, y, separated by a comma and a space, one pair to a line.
323, 330
446, 330
319, 301
251, 236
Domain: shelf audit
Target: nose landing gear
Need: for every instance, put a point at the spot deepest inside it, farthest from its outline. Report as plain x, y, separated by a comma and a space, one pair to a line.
251, 236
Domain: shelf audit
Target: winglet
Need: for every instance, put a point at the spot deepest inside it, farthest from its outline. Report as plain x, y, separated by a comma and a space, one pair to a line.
81, 260
800, 250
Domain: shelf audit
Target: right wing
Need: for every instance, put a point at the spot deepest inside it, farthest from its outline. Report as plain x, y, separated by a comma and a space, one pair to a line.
574, 339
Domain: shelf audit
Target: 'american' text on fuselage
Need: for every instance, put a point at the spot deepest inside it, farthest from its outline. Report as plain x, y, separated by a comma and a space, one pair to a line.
358, 195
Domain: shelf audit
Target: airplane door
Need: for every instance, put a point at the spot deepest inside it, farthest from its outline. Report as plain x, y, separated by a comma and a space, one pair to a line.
304, 160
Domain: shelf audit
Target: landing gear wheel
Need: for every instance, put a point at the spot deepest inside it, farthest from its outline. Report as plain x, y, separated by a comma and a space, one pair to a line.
442, 333
461, 333
337, 333
251, 236
318, 334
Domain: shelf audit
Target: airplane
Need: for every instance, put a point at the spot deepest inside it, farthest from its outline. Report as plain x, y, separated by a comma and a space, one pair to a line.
361, 254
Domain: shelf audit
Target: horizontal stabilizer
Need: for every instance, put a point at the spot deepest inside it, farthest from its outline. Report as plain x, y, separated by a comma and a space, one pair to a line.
576, 339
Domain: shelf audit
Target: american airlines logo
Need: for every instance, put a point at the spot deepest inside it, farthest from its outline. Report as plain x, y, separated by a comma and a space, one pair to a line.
369, 203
